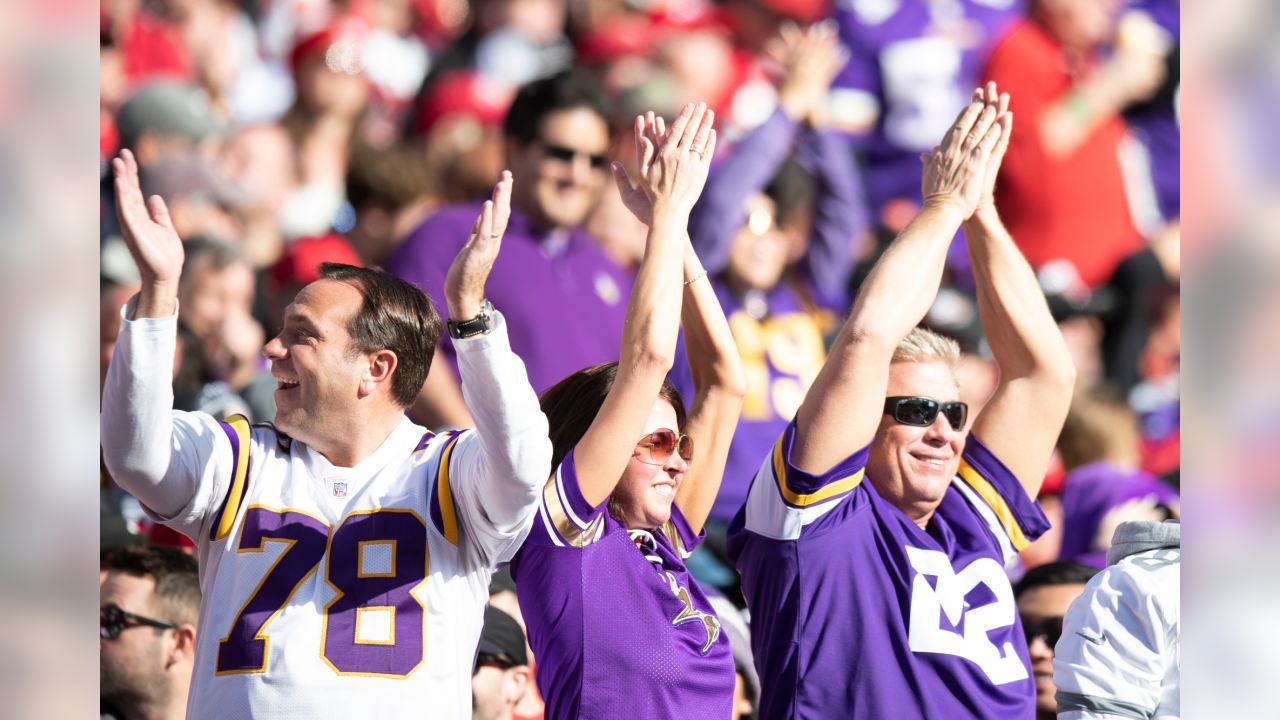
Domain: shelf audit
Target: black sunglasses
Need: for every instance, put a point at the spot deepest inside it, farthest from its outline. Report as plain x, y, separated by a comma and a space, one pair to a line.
921, 411
1048, 629
112, 621
568, 155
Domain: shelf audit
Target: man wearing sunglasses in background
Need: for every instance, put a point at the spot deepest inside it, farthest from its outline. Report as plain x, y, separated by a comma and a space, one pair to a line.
150, 597
873, 541
1043, 596
563, 297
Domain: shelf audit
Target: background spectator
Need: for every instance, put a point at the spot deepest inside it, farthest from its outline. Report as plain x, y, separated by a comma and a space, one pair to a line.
150, 597
502, 673
1043, 596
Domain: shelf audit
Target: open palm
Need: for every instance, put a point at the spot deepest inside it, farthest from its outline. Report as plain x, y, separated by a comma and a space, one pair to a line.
146, 226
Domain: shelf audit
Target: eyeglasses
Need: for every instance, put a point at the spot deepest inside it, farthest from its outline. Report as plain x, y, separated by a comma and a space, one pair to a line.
568, 155
921, 411
500, 661
112, 621
1048, 629
656, 447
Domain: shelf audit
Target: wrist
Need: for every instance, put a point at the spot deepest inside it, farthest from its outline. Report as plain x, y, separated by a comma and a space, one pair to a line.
465, 308
156, 300
948, 207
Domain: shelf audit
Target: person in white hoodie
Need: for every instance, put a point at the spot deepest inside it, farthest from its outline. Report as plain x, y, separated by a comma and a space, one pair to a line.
1120, 646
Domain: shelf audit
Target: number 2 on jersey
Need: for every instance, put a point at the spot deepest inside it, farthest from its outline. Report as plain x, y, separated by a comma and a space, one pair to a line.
361, 594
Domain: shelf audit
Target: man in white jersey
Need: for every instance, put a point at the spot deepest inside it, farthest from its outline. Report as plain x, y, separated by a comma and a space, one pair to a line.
345, 553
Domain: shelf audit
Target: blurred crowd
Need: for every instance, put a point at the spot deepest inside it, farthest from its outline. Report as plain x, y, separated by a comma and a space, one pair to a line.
283, 134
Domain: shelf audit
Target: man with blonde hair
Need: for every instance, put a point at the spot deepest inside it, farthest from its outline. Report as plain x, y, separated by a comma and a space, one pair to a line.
888, 598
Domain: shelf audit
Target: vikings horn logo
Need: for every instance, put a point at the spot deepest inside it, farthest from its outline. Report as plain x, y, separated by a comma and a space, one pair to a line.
709, 622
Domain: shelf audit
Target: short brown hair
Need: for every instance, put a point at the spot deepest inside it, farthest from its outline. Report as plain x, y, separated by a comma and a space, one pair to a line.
572, 404
176, 574
395, 316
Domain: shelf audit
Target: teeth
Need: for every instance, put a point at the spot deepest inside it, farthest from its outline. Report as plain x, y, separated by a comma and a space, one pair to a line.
664, 489
286, 383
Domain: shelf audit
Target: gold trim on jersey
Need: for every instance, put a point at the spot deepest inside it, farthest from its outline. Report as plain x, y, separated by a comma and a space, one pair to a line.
262, 631
572, 534
338, 595
448, 515
826, 492
988, 493
360, 573
669, 529
235, 493
367, 608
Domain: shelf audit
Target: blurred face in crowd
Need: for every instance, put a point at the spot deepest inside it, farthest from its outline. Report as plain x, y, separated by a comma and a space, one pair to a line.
495, 690
318, 373
213, 294
132, 666
333, 81
1038, 606
1079, 24
564, 171
759, 252
913, 466
642, 499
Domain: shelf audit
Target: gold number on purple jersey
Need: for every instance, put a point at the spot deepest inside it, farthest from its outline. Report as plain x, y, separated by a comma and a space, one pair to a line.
376, 559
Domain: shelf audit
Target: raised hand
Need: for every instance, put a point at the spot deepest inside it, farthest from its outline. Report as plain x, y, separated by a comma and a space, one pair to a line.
674, 161
955, 171
812, 58
633, 198
147, 229
464, 285
1005, 119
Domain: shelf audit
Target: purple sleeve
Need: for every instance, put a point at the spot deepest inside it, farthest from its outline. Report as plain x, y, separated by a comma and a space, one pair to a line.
800, 488
753, 163
1017, 515
840, 214
566, 519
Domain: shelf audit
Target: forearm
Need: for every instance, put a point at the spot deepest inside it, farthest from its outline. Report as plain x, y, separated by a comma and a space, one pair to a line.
1023, 336
1067, 123
714, 362
515, 457
137, 413
653, 312
840, 212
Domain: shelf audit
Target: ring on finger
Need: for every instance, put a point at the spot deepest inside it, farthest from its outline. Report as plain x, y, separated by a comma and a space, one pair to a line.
495, 235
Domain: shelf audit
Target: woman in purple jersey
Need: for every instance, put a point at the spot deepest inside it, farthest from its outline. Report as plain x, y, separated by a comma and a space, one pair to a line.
618, 626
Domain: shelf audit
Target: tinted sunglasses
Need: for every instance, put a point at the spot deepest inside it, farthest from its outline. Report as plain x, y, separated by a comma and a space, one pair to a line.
656, 447
1048, 629
112, 621
921, 411
568, 155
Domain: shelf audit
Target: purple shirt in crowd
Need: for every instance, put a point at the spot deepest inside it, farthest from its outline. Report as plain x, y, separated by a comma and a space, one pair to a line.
1155, 123
783, 350
857, 612
1091, 491
914, 63
618, 625
563, 299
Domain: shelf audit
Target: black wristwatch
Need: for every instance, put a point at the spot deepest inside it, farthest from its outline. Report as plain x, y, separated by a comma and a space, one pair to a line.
479, 325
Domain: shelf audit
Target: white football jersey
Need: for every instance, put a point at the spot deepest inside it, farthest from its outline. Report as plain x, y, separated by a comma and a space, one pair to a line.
332, 592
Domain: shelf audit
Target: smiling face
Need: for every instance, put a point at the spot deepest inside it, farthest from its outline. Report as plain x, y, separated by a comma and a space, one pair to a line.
913, 466
318, 374
644, 495
559, 191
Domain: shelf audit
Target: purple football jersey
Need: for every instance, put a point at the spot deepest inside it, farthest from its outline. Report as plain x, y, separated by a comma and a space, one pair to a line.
618, 625
913, 66
563, 299
857, 612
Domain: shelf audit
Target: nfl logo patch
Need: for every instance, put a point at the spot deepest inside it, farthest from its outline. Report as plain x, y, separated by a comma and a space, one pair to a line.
339, 489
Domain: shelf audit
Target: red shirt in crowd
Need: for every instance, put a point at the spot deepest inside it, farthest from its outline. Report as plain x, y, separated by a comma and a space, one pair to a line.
1073, 206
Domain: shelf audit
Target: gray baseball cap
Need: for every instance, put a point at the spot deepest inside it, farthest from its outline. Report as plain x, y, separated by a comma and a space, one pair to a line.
167, 108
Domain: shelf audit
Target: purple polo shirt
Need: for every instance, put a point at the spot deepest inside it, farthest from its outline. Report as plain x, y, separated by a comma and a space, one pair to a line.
563, 299
857, 612
1091, 491
618, 625
916, 62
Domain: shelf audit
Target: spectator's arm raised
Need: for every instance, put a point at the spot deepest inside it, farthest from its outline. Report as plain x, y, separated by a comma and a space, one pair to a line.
844, 404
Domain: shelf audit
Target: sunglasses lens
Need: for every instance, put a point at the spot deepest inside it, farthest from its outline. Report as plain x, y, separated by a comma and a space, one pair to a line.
916, 411
656, 447
957, 413
686, 448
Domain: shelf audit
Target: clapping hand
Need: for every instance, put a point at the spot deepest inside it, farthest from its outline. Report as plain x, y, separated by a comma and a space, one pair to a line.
811, 58
956, 170
673, 162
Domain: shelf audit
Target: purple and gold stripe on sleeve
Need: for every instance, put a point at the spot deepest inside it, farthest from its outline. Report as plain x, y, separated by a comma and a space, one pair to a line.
1004, 514
238, 434
559, 510
799, 489
443, 512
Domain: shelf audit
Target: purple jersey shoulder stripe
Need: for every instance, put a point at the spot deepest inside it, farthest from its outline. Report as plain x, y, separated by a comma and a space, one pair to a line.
284, 443
992, 480
237, 430
424, 442
801, 489
565, 508
444, 515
